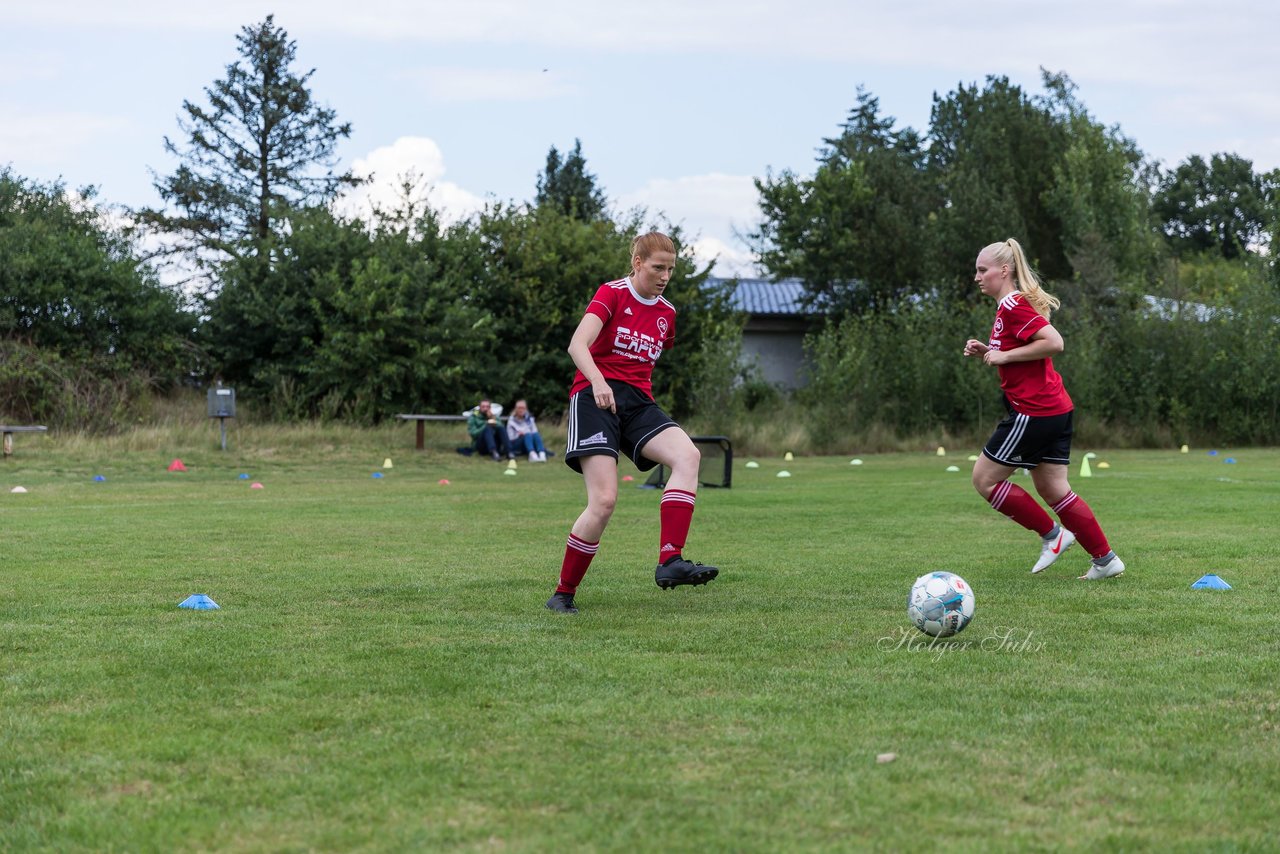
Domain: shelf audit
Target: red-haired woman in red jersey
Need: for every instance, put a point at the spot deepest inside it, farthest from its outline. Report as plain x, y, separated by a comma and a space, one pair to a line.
1036, 433
626, 327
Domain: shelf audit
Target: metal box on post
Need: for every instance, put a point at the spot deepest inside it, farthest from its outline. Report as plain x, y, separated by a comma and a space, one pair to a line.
222, 405
222, 402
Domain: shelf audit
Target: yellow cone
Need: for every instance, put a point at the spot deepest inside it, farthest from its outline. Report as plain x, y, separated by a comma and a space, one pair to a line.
1084, 468
942, 452
788, 456
386, 464
1185, 449
1104, 465
511, 464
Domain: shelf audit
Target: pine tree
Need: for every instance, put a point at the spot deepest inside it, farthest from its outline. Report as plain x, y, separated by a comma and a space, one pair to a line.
260, 148
566, 186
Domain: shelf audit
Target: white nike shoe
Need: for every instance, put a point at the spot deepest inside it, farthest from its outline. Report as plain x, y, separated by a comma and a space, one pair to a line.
1052, 549
1096, 573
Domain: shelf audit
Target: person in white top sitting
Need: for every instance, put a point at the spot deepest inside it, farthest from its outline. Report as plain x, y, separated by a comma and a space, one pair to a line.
522, 433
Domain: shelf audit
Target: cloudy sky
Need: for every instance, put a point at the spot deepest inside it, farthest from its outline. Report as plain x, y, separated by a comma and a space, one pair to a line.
679, 104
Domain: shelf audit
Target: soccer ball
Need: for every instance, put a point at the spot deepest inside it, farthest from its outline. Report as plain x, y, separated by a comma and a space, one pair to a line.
940, 604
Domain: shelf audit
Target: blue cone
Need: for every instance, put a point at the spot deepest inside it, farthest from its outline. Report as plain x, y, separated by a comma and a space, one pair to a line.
1210, 582
97, 478
244, 477
1231, 460
1213, 453
198, 601
377, 474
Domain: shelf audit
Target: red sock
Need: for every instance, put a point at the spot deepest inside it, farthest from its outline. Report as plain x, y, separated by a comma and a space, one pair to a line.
1016, 503
577, 557
1078, 518
676, 513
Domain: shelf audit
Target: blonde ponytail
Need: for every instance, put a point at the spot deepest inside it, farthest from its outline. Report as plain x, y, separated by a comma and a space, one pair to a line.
1024, 278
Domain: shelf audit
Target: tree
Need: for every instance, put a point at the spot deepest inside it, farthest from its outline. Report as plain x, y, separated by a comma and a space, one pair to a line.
855, 231
260, 148
1220, 206
993, 152
73, 284
567, 187
86, 330
537, 269
362, 320
1100, 193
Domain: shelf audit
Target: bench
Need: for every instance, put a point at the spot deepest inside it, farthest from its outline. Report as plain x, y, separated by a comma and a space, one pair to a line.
9, 429
420, 436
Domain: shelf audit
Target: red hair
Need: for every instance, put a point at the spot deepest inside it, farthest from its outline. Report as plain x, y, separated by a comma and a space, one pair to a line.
647, 244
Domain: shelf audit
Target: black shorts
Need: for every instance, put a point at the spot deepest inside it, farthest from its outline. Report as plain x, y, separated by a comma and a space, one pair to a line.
593, 430
1025, 441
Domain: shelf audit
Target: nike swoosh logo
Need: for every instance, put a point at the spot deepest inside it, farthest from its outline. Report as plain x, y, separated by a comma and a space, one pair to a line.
1057, 547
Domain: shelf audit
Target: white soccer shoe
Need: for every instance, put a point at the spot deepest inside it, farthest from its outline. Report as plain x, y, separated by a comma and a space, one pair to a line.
1096, 573
1051, 550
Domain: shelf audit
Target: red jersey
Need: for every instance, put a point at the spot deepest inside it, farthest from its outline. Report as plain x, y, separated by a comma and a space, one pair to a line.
636, 330
1033, 388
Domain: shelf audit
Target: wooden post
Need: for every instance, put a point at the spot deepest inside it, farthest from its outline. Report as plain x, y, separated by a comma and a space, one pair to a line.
421, 434
8, 444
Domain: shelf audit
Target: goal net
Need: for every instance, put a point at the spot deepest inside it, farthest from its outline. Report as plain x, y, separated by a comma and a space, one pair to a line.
716, 468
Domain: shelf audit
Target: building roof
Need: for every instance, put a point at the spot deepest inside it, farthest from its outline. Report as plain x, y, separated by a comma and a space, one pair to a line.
758, 297
785, 299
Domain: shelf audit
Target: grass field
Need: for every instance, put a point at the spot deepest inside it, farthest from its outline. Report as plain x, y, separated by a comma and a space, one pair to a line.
382, 675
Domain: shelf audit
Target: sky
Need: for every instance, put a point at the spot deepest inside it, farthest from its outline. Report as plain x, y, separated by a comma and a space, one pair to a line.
679, 104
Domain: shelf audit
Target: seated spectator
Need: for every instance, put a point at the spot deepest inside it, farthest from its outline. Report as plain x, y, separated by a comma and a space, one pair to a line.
522, 432
486, 433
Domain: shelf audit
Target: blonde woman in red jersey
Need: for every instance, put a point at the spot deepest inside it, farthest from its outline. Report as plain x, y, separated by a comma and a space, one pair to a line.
626, 327
1036, 434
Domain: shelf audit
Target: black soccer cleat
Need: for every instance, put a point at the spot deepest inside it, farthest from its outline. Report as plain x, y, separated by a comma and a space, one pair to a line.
677, 571
561, 603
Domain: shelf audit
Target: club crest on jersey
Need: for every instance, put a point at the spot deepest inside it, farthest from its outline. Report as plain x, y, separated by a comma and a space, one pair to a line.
662, 327
999, 326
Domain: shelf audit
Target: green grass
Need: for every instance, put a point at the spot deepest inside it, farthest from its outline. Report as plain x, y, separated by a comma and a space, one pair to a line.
382, 675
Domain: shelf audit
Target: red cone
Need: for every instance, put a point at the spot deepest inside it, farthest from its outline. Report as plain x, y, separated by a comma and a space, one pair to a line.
177, 465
